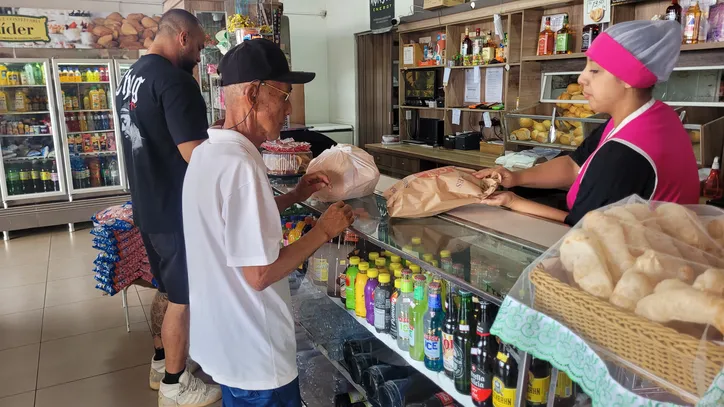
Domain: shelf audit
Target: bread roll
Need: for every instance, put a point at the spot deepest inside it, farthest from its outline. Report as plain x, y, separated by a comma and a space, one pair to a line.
525, 122
564, 139
574, 89
582, 255
539, 126
523, 134
547, 124
659, 266
634, 231
632, 287
685, 304
682, 224
116, 16
711, 281
671, 284
564, 96
716, 228
609, 232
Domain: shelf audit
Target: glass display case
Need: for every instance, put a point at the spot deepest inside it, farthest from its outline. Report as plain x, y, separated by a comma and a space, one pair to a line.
693, 86
91, 139
212, 22
29, 132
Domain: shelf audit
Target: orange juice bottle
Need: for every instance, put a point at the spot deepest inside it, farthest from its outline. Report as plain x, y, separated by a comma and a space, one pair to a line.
95, 99
3, 75
3, 101
102, 97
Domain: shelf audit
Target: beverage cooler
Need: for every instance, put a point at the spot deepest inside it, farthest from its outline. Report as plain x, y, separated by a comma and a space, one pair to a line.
31, 167
121, 66
89, 132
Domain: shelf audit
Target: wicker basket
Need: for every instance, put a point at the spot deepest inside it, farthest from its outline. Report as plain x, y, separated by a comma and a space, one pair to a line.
665, 353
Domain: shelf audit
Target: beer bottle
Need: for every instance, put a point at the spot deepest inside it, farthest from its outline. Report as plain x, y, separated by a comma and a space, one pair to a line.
482, 364
448, 332
539, 380
565, 396
462, 344
506, 379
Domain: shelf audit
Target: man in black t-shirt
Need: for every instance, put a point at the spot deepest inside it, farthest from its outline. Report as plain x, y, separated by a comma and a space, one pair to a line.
163, 118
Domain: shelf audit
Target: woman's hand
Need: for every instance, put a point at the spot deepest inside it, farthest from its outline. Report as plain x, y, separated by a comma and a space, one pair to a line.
508, 177
500, 198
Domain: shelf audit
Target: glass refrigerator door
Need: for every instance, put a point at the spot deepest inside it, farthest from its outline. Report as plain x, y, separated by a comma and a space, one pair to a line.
123, 65
29, 132
86, 97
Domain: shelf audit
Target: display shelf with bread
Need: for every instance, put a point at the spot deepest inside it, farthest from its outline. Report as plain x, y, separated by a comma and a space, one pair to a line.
548, 125
705, 126
639, 282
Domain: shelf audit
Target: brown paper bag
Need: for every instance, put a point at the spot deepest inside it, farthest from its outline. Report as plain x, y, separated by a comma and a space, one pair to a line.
436, 191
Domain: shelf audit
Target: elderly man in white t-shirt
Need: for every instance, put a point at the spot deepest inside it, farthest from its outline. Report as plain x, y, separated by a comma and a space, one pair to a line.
242, 330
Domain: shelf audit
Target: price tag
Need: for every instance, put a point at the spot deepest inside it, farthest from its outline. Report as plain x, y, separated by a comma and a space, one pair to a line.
486, 120
456, 116
446, 76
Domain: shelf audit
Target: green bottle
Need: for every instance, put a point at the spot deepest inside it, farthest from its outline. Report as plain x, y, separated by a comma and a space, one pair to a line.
13, 178
351, 274
418, 307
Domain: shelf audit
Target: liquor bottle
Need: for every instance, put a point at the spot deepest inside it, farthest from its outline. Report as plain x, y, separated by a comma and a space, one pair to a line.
546, 40
351, 275
477, 48
466, 49
563, 38
488, 48
432, 325
441, 399
590, 32
418, 306
462, 343
351, 399
448, 333
539, 380
403, 315
374, 377
673, 12
505, 381
692, 19
482, 364
712, 185
565, 396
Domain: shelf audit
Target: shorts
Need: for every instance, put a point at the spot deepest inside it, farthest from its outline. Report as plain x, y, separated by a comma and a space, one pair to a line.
167, 258
285, 396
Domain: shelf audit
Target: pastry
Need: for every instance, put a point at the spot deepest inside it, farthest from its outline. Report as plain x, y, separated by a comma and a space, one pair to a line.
711, 281
685, 304
582, 255
574, 89
609, 232
525, 122
670, 284
632, 287
716, 228
659, 266
682, 224
634, 230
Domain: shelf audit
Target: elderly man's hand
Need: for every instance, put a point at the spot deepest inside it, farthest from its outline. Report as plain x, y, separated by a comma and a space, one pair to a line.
309, 184
336, 219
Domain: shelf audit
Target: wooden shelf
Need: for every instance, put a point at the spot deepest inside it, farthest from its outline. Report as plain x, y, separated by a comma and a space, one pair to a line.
467, 109
546, 145
500, 65
421, 67
421, 107
702, 46
540, 58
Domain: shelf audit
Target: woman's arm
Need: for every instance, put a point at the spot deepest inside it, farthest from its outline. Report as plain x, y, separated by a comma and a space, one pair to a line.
512, 201
559, 172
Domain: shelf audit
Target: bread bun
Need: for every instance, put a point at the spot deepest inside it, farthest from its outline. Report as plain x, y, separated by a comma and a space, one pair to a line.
523, 134
525, 122
574, 89
564, 96
695, 136
564, 139
547, 124
578, 132
539, 126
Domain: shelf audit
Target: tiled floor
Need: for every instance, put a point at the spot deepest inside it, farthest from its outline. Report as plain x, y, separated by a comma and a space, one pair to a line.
62, 343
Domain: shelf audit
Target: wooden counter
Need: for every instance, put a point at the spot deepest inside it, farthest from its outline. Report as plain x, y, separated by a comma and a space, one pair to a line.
405, 159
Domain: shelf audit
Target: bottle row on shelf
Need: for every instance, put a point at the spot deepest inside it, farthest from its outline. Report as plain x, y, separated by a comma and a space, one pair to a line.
31, 177
93, 98
23, 100
94, 172
25, 127
91, 143
88, 121
22, 74
75, 74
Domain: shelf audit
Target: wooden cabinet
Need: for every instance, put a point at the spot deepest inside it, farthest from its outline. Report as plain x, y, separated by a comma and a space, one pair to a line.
395, 165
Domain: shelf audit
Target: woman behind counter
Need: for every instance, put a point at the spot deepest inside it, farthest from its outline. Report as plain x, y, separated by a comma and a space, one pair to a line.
642, 150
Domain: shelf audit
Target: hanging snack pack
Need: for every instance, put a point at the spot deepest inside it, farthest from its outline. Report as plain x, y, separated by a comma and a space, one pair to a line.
352, 173
122, 259
436, 191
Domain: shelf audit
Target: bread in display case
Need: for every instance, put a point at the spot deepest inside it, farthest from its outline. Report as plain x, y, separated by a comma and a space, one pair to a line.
705, 126
548, 125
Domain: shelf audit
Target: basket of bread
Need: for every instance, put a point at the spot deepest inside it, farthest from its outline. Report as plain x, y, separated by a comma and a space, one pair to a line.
644, 281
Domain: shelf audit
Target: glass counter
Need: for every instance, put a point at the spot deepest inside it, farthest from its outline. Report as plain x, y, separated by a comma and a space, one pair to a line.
484, 262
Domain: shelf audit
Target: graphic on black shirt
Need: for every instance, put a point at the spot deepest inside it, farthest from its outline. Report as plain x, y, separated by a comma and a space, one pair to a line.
129, 88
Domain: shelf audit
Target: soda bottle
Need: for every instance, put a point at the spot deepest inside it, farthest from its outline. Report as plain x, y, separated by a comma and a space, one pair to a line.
382, 304
54, 177
505, 380
39, 74
373, 256
360, 283
85, 177
370, 287
446, 262
393, 303
539, 380
35, 177
448, 334
13, 179
351, 279
403, 314
26, 181
417, 248
482, 363
432, 325
45, 177
418, 306
462, 343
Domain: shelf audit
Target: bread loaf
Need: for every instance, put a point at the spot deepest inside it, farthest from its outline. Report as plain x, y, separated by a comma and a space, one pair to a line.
582, 255
610, 234
685, 304
659, 266
632, 287
711, 281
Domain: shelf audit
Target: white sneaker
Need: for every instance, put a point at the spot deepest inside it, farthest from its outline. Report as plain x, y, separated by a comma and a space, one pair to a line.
190, 391
158, 370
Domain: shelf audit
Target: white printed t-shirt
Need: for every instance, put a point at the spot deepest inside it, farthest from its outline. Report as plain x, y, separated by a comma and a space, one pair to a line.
243, 338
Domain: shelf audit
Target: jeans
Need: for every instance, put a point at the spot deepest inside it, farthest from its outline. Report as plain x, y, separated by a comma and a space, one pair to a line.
285, 396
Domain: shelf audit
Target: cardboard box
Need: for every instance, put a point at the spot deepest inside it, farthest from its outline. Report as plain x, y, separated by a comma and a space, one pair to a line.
411, 55
435, 4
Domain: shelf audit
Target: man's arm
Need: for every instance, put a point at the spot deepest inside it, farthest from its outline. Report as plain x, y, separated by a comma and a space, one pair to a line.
286, 200
308, 184
185, 114
187, 148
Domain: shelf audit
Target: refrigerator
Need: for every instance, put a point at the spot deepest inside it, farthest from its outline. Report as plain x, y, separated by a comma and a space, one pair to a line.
32, 165
121, 66
89, 129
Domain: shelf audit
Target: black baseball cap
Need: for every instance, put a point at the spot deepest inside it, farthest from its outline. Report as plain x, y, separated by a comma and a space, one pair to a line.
258, 60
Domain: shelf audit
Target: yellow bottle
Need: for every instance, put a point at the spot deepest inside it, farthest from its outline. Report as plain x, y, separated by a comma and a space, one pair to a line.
76, 75
296, 233
19, 101
95, 100
3, 102
86, 102
3, 75
359, 290
102, 97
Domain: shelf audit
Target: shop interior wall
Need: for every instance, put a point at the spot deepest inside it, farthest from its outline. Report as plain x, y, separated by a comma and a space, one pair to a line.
148, 7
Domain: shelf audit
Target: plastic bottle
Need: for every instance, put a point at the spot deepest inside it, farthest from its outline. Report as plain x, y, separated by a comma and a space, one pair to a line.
372, 283
446, 262
96, 75
418, 306
712, 185
296, 233
373, 256
95, 99
351, 279
417, 247
360, 307
382, 306
3, 75
77, 77
102, 100
403, 314
432, 325
415, 269
380, 263
393, 306
3, 101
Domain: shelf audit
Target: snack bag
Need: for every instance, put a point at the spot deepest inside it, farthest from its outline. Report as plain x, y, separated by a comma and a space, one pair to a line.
429, 193
352, 173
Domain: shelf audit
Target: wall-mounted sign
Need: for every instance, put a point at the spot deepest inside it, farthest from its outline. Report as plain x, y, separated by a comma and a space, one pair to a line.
596, 11
381, 14
19, 28
44, 28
